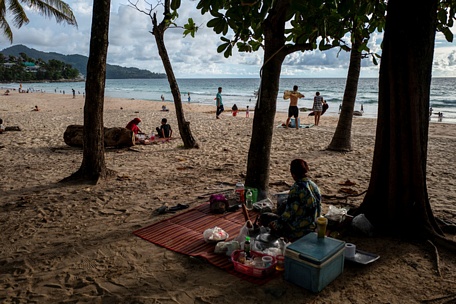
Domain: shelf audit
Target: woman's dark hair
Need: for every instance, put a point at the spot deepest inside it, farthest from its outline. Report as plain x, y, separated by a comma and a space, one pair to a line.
299, 168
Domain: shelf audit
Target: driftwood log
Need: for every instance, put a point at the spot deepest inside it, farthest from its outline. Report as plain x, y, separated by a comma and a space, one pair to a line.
113, 137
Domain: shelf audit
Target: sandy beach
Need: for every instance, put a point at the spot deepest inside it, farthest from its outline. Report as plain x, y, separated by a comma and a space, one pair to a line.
74, 244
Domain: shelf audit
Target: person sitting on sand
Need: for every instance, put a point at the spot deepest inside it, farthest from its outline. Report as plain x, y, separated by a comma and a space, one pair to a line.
2, 127
297, 216
165, 130
36, 108
164, 109
6, 92
234, 109
134, 125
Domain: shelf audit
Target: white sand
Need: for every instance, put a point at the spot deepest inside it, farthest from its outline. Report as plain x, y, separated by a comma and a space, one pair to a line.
65, 243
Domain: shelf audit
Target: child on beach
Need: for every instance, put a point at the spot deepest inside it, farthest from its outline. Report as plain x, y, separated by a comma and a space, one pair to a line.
165, 130
247, 112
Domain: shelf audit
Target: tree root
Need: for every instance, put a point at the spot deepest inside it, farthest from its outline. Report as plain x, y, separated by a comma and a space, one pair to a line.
447, 298
344, 196
447, 227
437, 258
441, 240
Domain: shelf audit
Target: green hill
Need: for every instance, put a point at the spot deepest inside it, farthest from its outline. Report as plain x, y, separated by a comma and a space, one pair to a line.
79, 62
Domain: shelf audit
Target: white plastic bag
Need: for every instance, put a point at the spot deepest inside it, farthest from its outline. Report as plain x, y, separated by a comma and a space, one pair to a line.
336, 214
242, 234
215, 234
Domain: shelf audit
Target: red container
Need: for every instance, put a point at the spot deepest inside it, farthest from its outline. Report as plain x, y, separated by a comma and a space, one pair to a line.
250, 270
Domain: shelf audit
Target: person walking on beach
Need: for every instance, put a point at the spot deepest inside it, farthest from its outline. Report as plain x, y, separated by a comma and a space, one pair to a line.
163, 98
219, 103
247, 112
293, 109
189, 97
317, 107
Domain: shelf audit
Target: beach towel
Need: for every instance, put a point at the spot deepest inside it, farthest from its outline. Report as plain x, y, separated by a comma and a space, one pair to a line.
183, 233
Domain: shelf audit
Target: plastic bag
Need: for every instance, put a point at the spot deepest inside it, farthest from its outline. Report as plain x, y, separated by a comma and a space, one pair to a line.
263, 206
361, 223
215, 234
336, 214
242, 234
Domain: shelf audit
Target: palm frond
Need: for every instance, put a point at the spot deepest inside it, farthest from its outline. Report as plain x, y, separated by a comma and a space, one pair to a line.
17, 11
6, 29
54, 8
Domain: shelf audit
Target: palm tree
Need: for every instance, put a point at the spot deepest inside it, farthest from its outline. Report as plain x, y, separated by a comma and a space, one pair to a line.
57, 8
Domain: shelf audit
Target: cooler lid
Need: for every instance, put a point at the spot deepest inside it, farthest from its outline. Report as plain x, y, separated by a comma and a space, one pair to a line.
316, 250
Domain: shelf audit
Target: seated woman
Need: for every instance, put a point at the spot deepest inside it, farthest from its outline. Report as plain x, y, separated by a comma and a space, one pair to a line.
134, 126
297, 216
165, 130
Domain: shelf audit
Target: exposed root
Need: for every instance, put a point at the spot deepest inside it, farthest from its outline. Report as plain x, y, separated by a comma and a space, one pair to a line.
447, 299
437, 258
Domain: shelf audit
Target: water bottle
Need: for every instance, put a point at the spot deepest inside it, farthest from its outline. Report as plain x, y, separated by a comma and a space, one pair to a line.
247, 246
249, 199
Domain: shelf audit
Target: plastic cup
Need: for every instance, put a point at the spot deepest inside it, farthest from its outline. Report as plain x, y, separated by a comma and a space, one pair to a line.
267, 261
280, 266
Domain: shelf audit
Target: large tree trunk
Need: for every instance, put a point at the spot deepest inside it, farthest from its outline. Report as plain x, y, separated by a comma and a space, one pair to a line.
159, 32
397, 200
341, 140
265, 109
93, 165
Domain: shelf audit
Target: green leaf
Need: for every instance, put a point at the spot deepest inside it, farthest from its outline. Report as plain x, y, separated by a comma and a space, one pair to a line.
222, 47
448, 34
175, 4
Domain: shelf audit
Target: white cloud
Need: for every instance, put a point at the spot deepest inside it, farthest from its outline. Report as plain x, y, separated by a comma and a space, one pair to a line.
131, 44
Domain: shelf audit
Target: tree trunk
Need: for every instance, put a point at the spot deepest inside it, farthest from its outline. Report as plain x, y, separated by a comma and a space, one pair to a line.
159, 32
397, 200
93, 167
341, 140
113, 137
265, 109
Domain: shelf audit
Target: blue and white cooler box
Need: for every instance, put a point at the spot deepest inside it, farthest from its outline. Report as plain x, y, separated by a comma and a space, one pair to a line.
313, 262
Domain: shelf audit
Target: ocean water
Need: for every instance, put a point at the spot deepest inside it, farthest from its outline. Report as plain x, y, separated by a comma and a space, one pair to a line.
241, 91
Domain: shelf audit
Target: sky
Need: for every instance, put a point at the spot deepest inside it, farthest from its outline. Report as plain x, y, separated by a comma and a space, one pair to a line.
132, 45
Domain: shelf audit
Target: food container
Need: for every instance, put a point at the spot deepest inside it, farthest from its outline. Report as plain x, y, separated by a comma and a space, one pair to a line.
313, 262
250, 269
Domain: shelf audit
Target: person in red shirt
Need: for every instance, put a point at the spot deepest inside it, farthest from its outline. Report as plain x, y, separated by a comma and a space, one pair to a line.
134, 125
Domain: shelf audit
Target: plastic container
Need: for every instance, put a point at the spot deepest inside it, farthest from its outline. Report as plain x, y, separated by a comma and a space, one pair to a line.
254, 193
251, 270
313, 262
239, 191
249, 199
322, 223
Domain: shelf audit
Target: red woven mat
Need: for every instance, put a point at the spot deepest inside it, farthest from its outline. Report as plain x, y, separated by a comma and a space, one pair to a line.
183, 233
